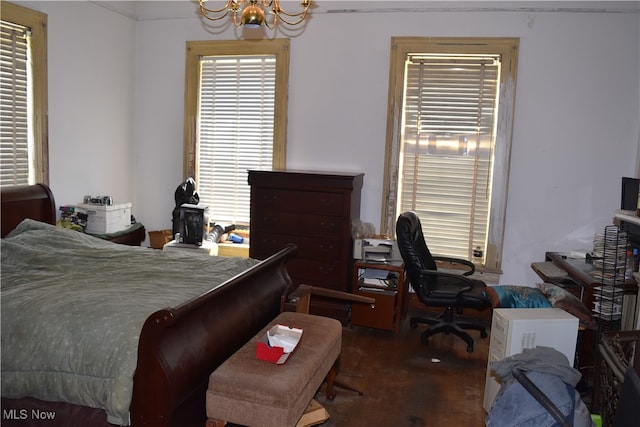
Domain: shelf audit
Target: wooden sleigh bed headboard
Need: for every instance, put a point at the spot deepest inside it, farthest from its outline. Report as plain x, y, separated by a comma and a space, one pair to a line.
179, 346
26, 201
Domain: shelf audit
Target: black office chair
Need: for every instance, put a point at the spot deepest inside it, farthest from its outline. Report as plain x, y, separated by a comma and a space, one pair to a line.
436, 288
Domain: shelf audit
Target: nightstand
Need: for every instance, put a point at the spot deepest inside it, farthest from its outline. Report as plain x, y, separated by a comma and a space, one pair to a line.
391, 295
132, 236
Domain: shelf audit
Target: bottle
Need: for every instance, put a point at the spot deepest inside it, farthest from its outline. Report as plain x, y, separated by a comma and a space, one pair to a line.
478, 254
235, 238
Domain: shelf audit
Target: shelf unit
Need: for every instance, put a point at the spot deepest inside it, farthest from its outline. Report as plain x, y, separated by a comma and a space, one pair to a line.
610, 263
391, 299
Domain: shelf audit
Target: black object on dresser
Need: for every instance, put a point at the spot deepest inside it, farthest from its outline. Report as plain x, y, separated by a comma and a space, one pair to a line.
313, 210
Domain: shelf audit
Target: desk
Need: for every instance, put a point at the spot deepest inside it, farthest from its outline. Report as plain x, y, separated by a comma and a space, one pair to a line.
580, 282
580, 273
391, 304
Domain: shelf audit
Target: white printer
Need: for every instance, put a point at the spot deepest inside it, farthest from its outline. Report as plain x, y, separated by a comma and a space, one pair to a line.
376, 250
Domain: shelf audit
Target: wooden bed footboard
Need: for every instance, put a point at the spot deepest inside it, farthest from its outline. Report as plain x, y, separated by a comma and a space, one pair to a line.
180, 347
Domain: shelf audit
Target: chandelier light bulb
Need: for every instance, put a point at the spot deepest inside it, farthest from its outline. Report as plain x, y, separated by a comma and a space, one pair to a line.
253, 13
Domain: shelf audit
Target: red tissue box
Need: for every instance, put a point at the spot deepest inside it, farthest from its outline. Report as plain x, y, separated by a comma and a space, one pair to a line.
278, 344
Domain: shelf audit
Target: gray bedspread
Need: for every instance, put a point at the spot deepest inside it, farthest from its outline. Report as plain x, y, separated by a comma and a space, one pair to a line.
73, 307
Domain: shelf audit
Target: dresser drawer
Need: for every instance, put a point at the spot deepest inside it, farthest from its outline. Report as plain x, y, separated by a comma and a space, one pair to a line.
318, 248
318, 273
381, 315
298, 224
274, 200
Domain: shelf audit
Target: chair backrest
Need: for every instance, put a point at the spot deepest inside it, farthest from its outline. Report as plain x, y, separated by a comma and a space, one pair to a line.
413, 248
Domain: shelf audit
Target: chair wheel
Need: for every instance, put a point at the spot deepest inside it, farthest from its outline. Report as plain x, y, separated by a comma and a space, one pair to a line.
470, 348
483, 333
413, 323
424, 340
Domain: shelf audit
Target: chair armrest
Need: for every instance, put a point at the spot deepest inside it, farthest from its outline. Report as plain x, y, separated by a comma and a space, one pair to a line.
299, 299
465, 282
471, 266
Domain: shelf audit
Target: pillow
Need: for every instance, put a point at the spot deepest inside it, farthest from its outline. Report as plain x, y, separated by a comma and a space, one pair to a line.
511, 296
561, 298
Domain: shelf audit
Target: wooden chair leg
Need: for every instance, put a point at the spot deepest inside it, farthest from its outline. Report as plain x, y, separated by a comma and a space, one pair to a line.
212, 422
331, 382
331, 376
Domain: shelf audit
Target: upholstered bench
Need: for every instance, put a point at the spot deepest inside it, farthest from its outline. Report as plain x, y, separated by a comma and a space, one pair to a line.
252, 392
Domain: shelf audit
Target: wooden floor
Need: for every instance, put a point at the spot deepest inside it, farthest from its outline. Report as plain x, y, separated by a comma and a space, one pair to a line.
406, 383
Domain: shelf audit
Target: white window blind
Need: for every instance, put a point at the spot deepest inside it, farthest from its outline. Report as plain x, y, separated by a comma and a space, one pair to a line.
235, 131
15, 139
447, 146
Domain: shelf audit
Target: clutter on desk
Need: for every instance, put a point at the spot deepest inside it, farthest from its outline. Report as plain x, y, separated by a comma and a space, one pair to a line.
106, 219
70, 218
100, 217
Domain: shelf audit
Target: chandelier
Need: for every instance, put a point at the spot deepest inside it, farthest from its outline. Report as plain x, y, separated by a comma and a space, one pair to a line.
253, 12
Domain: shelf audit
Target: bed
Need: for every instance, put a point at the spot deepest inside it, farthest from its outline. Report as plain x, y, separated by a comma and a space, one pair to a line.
124, 335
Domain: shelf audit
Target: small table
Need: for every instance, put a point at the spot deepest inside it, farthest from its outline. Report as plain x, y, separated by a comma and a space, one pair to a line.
391, 304
211, 248
207, 247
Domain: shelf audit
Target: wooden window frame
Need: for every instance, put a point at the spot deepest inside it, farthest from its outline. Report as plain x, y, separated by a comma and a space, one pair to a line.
507, 48
37, 22
197, 49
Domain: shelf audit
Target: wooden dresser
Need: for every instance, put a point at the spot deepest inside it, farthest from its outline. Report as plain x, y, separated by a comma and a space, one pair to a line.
314, 210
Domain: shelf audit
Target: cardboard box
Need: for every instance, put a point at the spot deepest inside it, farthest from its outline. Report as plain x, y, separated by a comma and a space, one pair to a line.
159, 238
278, 344
103, 219
314, 414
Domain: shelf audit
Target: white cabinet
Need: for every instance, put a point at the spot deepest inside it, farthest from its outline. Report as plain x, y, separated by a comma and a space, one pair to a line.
516, 329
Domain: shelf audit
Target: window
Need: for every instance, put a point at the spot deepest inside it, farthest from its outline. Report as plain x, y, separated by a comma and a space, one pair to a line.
23, 96
448, 141
235, 119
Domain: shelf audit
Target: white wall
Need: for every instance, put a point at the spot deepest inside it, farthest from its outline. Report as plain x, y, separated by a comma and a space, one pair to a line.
91, 121
576, 130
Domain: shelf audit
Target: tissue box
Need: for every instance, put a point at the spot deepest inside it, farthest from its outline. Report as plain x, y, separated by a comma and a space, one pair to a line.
103, 219
278, 344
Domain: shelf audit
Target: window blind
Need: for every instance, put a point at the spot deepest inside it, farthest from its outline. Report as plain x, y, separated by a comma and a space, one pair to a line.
15, 144
235, 134
449, 120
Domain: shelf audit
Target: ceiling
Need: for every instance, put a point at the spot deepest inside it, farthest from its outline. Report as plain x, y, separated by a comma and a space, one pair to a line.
171, 9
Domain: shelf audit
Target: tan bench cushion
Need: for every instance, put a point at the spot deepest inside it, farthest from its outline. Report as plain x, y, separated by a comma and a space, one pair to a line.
251, 392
